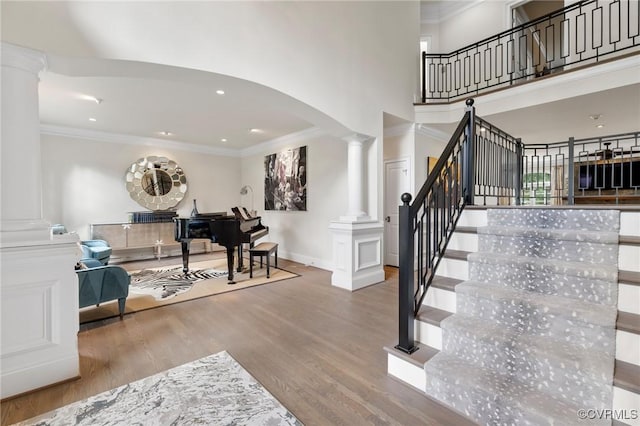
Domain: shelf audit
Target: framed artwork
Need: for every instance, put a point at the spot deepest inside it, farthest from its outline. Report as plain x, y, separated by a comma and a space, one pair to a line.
285, 180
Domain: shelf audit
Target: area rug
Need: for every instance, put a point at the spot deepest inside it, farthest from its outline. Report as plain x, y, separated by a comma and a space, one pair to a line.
201, 285
214, 390
166, 283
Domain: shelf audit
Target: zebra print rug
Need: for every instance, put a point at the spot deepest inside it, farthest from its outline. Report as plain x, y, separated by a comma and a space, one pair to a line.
164, 284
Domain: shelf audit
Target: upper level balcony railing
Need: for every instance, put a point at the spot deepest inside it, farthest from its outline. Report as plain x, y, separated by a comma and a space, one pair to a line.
581, 34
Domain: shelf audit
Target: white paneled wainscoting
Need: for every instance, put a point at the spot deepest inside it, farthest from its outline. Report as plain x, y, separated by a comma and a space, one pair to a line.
440, 303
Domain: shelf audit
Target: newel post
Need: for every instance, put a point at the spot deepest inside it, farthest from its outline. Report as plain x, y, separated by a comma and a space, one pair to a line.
468, 169
406, 278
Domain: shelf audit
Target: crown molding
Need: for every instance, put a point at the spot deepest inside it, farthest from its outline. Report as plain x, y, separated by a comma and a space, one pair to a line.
432, 133
451, 14
290, 139
400, 129
98, 136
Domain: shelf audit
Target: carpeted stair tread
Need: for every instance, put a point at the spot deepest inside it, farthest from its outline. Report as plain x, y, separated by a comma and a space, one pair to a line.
627, 376
579, 269
578, 219
631, 240
551, 365
493, 397
586, 236
445, 283
485, 331
629, 277
456, 254
628, 322
562, 245
417, 358
593, 283
431, 315
559, 306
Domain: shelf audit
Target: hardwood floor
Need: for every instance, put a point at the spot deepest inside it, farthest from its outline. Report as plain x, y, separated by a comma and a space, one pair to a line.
316, 348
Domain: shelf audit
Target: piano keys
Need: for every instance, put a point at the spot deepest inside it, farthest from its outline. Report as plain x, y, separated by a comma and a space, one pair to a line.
227, 231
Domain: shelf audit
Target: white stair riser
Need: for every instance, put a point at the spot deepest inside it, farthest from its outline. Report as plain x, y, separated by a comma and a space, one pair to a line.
473, 218
463, 241
407, 372
453, 268
628, 347
430, 335
624, 402
630, 223
629, 298
627, 344
629, 258
441, 299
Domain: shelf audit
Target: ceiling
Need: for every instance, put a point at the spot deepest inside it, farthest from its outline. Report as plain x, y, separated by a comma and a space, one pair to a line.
184, 110
617, 110
433, 11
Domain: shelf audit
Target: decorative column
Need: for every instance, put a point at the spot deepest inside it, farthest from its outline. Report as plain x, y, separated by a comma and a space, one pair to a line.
357, 239
21, 210
355, 179
38, 286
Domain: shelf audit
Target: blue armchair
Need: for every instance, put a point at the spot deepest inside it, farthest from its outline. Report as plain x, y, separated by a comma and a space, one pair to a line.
96, 249
99, 283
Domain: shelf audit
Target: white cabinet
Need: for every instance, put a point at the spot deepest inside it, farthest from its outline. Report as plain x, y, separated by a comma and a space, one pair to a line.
131, 241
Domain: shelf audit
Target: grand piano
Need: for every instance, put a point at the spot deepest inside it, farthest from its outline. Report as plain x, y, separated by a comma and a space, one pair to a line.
231, 232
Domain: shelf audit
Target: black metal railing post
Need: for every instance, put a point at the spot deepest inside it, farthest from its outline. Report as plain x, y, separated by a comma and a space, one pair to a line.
424, 77
519, 159
406, 278
571, 173
468, 162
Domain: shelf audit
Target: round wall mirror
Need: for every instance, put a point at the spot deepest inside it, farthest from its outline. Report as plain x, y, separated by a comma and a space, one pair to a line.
156, 183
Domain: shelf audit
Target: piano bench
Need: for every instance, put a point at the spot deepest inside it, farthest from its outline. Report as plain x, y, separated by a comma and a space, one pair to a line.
263, 249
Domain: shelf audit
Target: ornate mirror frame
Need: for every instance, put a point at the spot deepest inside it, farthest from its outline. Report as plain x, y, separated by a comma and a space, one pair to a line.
156, 183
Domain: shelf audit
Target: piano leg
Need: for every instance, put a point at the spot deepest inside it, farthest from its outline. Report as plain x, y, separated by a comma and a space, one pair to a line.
185, 255
240, 262
230, 264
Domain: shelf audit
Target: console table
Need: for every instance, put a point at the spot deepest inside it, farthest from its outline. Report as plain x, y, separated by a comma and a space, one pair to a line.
133, 241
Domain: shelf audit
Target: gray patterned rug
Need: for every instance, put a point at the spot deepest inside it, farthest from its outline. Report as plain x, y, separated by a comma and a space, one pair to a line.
214, 390
167, 283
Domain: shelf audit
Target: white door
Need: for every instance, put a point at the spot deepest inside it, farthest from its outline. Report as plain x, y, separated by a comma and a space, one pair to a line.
397, 180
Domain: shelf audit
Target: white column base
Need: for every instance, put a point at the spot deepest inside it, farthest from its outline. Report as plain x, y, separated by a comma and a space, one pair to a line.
357, 254
39, 314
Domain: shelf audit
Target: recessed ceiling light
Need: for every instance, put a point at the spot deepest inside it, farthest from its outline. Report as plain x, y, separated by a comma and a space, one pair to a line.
220, 92
166, 133
595, 116
223, 140
92, 119
600, 126
254, 130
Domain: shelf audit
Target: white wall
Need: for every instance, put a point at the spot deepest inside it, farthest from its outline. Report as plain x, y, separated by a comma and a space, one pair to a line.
482, 20
83, 181
304, 236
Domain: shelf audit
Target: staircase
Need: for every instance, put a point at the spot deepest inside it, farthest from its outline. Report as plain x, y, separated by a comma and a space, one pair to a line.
542, 316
